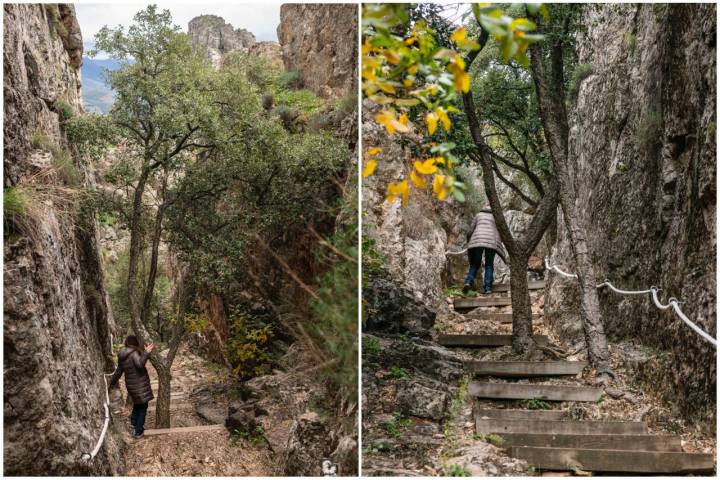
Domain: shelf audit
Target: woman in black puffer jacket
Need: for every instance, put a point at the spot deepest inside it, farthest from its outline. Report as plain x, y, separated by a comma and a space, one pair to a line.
131, 362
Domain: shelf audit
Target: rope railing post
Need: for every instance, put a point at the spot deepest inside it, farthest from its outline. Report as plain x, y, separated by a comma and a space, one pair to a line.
653, 291
89, 456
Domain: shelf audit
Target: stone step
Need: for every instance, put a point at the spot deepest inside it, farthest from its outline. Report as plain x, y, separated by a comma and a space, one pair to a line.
193, 429
648, 443
514, 391
174, 405
525, 369
493, 425
496, 317
173, 395
509, 414
467, 303
532, 285
484, 340
616, 461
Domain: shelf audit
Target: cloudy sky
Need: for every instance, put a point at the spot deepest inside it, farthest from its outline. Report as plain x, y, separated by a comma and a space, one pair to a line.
261, 19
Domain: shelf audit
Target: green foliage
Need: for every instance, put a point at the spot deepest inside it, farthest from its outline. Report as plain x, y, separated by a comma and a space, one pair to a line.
15, 208
290, 80
371, 345
379, 447
247, 347
581, 72
268, 100
399, 372
289, 117
256, 69
630, 39
372, 260
537, 404
196, 323
256, 436
456, 470
491, 438
303, 101
395, 426
334, 313
456, 291
53, 13
91, 134
41, 140
647, 134
65, 110
64, 164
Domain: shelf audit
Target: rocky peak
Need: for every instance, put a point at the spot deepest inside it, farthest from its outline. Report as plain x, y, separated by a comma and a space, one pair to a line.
218, 36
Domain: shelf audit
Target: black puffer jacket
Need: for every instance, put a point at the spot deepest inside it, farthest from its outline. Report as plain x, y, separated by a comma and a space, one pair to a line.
132, 364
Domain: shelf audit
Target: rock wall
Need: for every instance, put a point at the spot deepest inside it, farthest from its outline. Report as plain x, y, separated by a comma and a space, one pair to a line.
320, 42
643, 145
56, 330
218, 36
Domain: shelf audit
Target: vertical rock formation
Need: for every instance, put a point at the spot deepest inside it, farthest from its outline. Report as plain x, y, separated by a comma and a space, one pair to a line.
218, 37
643, 143
320, 42
56, 331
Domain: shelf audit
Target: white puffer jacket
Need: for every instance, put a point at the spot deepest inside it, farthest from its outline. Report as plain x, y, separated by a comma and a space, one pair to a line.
484, 233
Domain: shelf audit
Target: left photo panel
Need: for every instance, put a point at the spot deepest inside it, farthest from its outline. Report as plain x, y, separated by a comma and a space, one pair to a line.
180, 230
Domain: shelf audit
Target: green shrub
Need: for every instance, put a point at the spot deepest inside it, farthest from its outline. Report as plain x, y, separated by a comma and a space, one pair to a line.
397, 424
537, 404
41, 140
491, 438
290, 79
15, 204
65, 110
268, 100
581, 72
66, 168
287, 116
247, 348
371, 345
303, 101
399, 372
458, 471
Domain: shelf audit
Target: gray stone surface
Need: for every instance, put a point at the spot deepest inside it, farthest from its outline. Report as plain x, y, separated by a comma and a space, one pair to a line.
644, 163
218, 36
56, 324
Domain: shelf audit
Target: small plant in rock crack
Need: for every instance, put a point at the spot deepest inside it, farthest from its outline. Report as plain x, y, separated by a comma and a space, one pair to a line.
397, 424
379, 447
403, 337
399, 372
371, 345
490, 438
256, 436
456, 470
537, 404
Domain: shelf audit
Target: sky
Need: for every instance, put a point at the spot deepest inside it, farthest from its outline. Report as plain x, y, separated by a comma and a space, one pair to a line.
262, 19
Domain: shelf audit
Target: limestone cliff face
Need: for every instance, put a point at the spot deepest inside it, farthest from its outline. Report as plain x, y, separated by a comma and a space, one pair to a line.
643, 146
218, 36
56, 331
320, 42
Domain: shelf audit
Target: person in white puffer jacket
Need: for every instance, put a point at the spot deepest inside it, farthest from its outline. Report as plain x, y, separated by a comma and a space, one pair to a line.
483, 238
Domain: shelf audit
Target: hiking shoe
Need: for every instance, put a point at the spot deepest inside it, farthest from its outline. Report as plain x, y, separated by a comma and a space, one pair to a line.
488, 292
466, 289
138, 437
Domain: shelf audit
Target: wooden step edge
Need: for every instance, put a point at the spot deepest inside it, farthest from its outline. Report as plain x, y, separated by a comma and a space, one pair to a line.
514, 391
196, 428
616, 461
594, 441
490, 340
557, 427
515, 369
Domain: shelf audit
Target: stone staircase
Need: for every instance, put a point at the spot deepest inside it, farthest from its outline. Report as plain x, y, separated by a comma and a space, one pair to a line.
550, 440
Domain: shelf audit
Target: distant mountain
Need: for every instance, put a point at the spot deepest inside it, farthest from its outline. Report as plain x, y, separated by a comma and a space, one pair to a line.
97, 96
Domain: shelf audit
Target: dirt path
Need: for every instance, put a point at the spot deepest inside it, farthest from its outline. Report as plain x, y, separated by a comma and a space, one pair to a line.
207, 453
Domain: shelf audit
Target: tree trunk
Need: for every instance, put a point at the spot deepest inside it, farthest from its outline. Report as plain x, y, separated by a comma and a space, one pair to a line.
521, 311
551, 103
162, 407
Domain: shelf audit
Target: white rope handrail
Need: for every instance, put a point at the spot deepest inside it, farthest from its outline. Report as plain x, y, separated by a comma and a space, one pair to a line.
672, 302
457, 253
93, 454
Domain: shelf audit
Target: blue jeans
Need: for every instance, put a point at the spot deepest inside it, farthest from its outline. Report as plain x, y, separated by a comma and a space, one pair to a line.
475, 257
137, 419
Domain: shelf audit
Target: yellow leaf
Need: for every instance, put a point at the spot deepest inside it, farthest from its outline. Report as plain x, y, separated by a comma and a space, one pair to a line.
403, 119
441, 191
418, 180
459, 35
386, 87
374, 150
366, 46
392, 57
461, 81
389, 119
410, 40
427, 167
443, 116
432, 120
407, 83
412, 69
369, 168
398, 189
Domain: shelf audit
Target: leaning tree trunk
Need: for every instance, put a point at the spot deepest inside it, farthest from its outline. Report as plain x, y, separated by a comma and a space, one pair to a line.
162, 407
521, 312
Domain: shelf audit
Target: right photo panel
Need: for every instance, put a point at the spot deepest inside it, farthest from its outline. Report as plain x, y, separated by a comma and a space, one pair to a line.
538, 239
